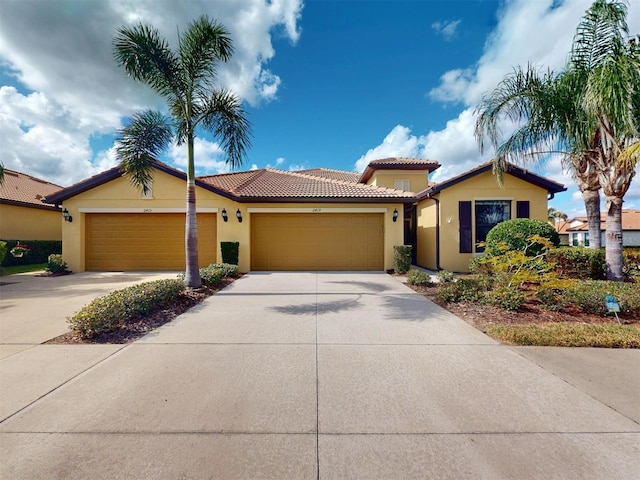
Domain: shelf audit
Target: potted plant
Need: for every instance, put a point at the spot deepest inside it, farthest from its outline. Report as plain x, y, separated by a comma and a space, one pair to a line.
19, 250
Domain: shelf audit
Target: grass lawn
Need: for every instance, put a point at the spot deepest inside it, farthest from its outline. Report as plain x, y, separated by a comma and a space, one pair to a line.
21, 269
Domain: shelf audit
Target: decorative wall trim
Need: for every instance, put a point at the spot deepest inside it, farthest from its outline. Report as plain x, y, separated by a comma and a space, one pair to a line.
145, 210
317, 210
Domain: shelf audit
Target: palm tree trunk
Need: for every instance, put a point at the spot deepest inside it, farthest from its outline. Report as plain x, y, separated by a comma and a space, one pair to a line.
192, 274
613, 254
592, 206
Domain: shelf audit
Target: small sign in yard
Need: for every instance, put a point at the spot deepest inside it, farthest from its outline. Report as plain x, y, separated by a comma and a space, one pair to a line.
612, 306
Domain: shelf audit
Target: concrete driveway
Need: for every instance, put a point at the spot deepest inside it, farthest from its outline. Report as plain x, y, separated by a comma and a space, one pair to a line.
312, 375
34, 309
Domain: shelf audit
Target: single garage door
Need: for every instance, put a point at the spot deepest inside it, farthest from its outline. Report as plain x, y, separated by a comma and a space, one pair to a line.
145, 241
321, 241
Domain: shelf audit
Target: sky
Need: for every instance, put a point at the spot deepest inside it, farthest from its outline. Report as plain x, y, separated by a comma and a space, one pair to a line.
326, 83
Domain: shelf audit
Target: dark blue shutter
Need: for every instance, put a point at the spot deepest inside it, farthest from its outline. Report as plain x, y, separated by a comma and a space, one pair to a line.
522, 209
464, 214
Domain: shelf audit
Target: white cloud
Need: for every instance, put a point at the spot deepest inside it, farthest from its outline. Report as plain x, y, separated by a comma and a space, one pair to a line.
446, 29
398, 143
209, 157
280, 160
61, 52
295, 168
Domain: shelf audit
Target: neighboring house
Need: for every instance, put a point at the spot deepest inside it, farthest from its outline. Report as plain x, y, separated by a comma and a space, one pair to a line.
316, 219
575, 232
454, 216
23, 213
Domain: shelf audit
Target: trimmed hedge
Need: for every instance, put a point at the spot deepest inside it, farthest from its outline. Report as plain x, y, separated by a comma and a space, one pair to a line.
578, 262
39, 251
401, 258
230, 252
590, 296
105, 314
514, 234
213, 274
420, 278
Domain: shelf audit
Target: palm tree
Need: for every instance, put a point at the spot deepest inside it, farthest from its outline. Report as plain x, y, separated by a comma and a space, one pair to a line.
185, 78
612, 98
553, 215
588, 113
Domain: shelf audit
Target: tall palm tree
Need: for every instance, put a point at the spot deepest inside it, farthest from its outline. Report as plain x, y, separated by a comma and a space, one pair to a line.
588, 112
550, 122
185, 78
553, 215
612, 98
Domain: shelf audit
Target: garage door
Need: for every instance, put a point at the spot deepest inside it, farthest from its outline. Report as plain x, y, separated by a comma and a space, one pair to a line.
145, 241
324, 241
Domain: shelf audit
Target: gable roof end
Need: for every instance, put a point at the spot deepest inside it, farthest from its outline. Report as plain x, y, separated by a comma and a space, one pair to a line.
397, 163
513, 170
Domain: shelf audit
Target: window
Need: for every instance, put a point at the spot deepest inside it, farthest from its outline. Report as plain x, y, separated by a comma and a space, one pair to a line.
574, 240
586, 239
488, 214
402, 185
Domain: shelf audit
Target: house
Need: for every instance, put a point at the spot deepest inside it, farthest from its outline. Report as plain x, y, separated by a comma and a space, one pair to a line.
575, 232
24, 215
316, 219
454, 216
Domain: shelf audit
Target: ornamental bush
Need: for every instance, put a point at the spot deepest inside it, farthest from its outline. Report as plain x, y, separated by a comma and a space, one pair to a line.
578, 262
463, 290
401, 258
514, 235
3, 251
213, 274
39, 251
55, 263
105, 314
590, 296
420, 278
507, 297
230, 252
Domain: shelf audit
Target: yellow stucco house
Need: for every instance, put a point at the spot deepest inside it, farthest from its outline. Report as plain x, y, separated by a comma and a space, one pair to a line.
23, 213
317, 219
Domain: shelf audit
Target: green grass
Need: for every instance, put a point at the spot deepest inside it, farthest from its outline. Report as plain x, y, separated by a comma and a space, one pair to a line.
22, 269
567, 334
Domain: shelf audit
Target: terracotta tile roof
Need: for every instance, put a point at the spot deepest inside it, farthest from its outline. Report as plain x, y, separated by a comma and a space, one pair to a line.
277, 185
25, 190
332, 174
398, 163
630, 221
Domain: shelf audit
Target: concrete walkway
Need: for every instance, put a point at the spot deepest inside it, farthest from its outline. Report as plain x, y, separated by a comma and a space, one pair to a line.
315, 375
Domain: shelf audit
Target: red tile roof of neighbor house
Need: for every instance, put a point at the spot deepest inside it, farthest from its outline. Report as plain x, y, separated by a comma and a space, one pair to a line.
24, 190
630, 221
277, 185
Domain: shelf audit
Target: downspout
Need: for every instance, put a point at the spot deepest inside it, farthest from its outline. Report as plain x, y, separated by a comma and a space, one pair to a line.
438, 267
551, 195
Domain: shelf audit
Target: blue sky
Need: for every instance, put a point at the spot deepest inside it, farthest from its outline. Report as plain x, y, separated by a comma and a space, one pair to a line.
326, 83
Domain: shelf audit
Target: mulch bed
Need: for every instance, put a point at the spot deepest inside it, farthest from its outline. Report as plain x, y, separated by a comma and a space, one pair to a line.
131, 332
531, 312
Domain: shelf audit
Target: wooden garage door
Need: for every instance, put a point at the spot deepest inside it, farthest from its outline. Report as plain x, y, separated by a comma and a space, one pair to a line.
145, 241
322, 241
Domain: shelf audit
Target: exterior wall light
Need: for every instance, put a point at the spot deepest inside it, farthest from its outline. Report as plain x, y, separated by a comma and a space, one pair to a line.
66, 216
395, 215
239, 215
225, 217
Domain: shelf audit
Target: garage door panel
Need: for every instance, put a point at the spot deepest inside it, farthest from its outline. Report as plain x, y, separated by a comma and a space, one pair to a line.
317, 242
122, 242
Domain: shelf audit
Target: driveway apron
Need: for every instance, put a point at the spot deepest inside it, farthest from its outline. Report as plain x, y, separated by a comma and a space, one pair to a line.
317, 375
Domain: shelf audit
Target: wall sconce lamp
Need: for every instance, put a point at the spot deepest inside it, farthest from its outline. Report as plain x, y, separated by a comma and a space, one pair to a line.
395, 215
66, 216
239, 215
225, 217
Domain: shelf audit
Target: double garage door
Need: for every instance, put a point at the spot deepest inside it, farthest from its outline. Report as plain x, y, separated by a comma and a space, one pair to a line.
145, 241
317, 241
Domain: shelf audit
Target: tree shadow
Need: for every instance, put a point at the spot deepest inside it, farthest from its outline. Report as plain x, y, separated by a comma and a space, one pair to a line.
318, 307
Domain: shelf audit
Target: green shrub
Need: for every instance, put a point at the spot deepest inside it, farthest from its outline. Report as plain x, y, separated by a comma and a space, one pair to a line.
230, 252
213, 274
631, 262
480, 265
590, 296
578, 262
39, 251
463, 290
514, 235
105, 314
55, 264
505, 297
445, 277
3, 251
551, 298
401, 258
420, 278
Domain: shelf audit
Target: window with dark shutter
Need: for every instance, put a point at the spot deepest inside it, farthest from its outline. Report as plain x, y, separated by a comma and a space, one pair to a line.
464, 214
522, 209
